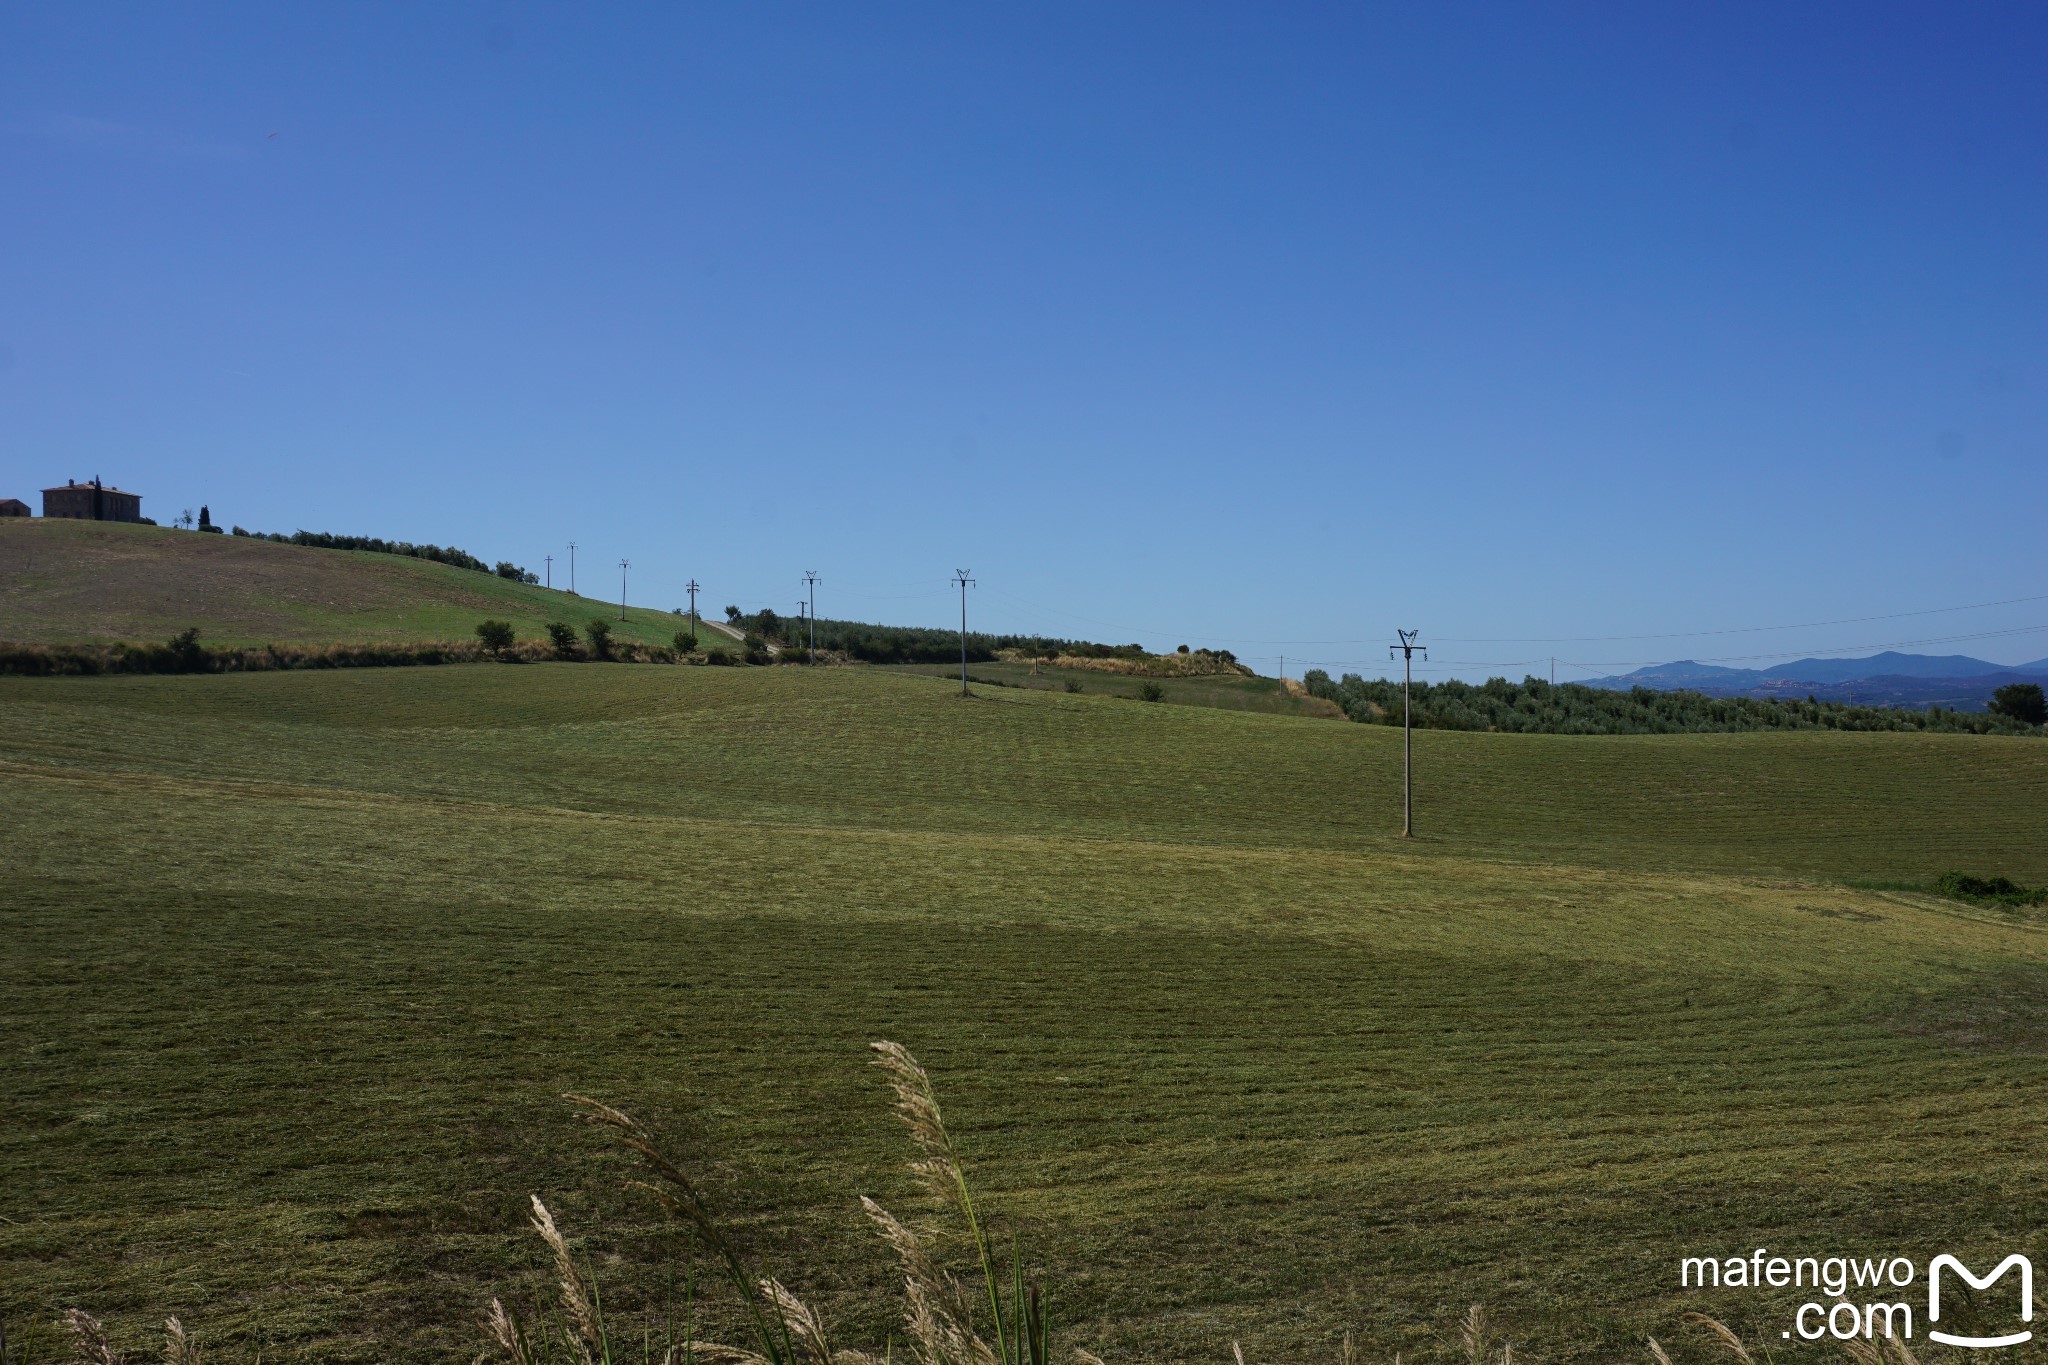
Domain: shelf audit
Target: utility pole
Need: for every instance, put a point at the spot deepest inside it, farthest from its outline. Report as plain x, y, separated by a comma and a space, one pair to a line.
572, 568
693, 609
800, 624
811, 579
551, 570
960, 577
1407, 648
623, 566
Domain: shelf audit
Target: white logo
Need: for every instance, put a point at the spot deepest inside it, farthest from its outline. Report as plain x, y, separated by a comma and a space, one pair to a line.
1934, 1298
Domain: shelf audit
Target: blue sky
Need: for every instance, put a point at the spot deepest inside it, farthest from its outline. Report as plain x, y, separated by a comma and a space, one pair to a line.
1230, 325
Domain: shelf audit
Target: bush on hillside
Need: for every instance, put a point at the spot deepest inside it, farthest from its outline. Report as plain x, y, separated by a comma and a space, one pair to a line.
507, 569
562, 639
599, 632
686, 643
496, 635
1151, 691
1989, 890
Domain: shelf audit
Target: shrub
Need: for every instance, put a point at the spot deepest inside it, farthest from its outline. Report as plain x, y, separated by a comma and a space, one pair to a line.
686, 643
187, 654
719, 657
1151, 691
496, 635
2023, 702
238, 531
1989, 890
1073, 686
562, 638
599, 632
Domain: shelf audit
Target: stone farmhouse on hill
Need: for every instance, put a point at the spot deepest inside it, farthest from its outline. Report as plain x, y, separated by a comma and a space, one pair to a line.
92, 502
13, 507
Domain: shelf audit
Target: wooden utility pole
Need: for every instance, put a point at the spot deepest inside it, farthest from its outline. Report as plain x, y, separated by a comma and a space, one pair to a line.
693, 608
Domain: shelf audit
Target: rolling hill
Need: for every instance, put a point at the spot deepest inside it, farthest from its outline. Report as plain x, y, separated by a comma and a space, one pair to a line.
1956, 681
302, 963
72, 582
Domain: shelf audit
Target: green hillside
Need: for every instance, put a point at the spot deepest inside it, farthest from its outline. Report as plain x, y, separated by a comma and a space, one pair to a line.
69, 582
301, 962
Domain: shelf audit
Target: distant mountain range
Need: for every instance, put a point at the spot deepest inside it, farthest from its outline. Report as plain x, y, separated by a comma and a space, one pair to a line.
1888, 679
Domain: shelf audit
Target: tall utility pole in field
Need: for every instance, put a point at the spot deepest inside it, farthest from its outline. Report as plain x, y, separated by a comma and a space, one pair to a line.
551, 570
572, 568
1407, 648
623, 566
693, 608
960, 577
811, 579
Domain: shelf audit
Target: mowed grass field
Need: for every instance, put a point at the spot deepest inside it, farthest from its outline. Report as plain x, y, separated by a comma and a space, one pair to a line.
298, 964
75, 582
1233, 692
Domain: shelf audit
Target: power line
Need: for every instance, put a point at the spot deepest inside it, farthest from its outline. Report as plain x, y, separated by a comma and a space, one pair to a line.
1444, 665
1544, 639
1731, 630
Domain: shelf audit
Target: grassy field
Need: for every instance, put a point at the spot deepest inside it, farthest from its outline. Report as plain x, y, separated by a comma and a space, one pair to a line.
298, 965
71, 582
1231, 692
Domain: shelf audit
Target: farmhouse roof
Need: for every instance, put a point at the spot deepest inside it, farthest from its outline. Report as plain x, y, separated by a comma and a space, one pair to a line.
104, 488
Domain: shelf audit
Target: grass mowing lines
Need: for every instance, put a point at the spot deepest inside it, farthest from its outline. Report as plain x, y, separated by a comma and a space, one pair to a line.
860, 748
299, 972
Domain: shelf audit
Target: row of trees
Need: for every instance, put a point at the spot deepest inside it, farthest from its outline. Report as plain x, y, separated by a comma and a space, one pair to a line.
439, 554
912, 644
1534, 706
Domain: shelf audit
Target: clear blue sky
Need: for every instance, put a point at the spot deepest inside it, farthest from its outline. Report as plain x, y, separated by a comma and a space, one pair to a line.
1224, 324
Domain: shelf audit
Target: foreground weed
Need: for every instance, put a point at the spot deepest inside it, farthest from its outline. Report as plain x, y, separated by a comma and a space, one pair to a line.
939, 1319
